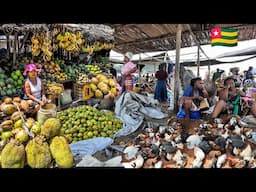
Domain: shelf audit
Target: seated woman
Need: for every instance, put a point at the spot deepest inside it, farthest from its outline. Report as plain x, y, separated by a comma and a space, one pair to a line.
34, 88
193, 95
229, 100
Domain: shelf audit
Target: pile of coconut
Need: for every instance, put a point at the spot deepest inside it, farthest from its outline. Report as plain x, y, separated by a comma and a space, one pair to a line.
209, 145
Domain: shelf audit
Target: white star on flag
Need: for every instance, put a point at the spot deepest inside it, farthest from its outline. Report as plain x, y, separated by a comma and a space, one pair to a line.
216, 33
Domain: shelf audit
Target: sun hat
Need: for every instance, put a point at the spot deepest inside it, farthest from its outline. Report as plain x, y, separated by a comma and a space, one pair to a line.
31, 67
128, 55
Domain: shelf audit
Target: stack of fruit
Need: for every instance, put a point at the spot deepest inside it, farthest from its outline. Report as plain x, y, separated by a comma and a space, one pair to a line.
44, 149
93, 69
82, 79
52, 71
73, 70
51, 67
103, 87
53, 88
84, 122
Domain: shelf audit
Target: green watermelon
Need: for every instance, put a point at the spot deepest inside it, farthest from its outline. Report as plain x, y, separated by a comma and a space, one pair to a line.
9, 81
13, 91
9, 86
9, 92
2, 84
2, 93
19, 82
15, 83
18, 73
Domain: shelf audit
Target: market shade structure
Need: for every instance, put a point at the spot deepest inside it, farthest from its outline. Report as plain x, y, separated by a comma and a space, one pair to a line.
141, 38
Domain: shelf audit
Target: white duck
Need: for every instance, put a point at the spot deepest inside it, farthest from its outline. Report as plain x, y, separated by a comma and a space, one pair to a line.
247, 153
193, 140
137, 163
178, 157
221, 160
199, 157
158, 164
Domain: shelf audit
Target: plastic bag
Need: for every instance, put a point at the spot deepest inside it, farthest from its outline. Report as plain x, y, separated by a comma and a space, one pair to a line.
66, 97
89, 161
90, 146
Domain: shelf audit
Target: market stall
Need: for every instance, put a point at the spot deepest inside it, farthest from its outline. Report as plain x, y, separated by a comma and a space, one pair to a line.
74, 68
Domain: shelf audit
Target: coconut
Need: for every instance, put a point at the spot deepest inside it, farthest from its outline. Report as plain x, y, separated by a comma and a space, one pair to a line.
8, 100
17, 99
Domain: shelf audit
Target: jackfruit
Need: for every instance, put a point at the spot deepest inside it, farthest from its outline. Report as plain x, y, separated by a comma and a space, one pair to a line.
38, 153
61, 152
51, 127
13, 155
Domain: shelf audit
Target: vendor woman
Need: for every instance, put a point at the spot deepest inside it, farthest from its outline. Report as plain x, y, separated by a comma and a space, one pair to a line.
33, 87
127, 70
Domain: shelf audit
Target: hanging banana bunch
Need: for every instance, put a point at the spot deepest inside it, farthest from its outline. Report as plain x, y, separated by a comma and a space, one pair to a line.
41, 43
70, 42
97, 46
46, 47
35, 45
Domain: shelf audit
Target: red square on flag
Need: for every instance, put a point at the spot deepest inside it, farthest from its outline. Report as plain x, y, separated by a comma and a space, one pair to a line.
216, 32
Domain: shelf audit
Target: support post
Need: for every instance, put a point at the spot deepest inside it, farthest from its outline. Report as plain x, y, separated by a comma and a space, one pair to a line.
198, 61
177, 68
8, 46
14, 47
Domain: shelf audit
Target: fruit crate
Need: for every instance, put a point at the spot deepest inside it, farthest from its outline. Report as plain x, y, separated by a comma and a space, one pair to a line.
82, 91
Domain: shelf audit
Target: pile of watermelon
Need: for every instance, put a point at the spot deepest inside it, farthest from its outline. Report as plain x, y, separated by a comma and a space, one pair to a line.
9, 85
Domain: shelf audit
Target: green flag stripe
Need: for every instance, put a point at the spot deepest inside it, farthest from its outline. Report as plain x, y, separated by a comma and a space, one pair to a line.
224, 44
226, 37
228, 30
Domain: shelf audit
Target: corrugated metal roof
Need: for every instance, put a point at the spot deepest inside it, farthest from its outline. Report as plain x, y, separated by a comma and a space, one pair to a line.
140, 38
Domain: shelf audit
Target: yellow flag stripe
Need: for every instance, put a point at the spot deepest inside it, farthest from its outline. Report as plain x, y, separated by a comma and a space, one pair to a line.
224, 40
229, 34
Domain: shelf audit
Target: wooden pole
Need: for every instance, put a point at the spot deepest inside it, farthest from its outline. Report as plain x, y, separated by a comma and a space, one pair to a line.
18, 45
23, 42
209, 64
139, 69
198, 61
177, 68
14, 47
197, 42
8, 46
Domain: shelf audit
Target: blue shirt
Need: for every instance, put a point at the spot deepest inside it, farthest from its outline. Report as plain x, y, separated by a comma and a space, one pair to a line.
190, 93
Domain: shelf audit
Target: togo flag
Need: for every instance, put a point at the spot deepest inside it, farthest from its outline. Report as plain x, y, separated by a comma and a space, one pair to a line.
224, 37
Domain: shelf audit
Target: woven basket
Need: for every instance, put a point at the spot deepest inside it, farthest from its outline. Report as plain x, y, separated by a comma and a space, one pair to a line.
80, 93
